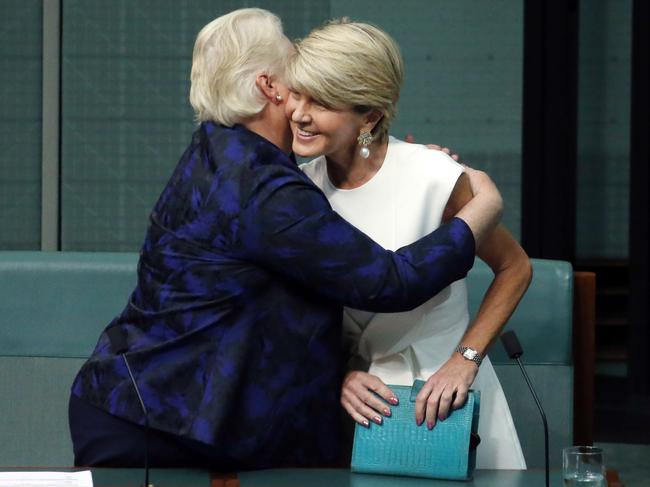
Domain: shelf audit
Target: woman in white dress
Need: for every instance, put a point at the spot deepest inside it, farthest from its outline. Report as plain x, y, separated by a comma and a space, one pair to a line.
344, 84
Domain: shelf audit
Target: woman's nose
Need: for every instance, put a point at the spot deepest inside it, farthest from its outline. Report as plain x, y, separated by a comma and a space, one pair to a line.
300, 114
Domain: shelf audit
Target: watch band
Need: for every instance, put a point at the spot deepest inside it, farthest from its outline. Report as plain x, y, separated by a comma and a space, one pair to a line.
470, 354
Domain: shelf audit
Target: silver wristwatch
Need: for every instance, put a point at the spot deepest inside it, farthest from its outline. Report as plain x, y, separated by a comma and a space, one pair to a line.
470, 354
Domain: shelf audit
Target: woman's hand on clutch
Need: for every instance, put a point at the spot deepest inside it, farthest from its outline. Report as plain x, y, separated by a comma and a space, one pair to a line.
445, 390
366, 398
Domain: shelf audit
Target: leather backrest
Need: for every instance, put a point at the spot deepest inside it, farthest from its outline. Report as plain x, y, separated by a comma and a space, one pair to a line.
543, 319
55, 304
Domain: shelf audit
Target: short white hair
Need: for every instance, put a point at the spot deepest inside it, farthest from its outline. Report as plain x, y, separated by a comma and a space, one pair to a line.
229, 53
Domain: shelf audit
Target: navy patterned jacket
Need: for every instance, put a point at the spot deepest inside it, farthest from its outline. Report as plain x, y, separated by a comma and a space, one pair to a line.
233, 330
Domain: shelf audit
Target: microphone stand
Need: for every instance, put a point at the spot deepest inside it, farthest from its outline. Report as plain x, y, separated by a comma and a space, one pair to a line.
541, 411
119, 345
514, 351
146, 423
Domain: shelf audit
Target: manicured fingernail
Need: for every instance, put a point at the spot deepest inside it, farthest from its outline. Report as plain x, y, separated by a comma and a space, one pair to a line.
377, 419
365, 423
429, 425
394, 400
419, 421
387, 412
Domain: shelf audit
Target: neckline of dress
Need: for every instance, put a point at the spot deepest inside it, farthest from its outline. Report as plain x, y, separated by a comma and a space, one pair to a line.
372, 181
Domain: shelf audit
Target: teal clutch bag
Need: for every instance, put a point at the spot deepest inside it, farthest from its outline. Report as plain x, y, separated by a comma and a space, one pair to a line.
400, 447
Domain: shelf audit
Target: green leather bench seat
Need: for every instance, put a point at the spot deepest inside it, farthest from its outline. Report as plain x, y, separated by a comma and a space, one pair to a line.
53, 306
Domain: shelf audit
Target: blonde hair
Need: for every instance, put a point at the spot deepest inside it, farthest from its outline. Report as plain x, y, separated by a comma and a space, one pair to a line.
347, 64
229, 53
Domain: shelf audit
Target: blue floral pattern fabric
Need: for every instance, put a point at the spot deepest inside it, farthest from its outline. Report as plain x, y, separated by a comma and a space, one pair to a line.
233, 329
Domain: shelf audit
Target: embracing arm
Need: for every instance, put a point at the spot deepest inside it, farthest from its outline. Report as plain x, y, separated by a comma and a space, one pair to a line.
448, 387
289, 227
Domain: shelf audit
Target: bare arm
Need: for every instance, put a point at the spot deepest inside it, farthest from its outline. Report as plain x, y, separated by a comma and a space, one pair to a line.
477, 201
448, 386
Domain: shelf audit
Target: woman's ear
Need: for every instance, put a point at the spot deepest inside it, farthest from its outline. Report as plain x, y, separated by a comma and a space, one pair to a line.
269, 88
265, 85
372, 119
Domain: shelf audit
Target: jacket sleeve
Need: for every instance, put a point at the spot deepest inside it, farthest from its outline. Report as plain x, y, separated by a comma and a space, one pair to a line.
288, 226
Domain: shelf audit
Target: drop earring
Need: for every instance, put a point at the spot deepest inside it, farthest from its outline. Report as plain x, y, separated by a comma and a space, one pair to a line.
364, 141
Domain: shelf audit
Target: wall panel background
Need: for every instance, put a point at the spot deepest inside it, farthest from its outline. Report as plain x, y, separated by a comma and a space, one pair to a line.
126, 117
604, 77
20, 124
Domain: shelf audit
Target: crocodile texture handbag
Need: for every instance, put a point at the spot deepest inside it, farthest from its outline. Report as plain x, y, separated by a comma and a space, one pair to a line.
400, 447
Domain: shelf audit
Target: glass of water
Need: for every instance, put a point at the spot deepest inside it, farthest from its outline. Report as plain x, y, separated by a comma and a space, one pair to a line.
583, 466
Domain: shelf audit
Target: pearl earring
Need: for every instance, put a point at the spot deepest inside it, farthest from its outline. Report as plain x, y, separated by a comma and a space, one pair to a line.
278, 98
364, 140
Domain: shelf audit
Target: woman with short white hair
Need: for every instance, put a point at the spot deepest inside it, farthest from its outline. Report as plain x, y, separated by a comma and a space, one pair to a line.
228, 346
229, 54
345, 79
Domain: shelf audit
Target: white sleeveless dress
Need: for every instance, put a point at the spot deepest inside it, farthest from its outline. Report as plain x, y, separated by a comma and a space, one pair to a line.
403, 202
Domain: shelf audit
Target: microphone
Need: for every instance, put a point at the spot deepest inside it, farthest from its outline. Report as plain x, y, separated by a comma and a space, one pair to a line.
514, 351
119, 345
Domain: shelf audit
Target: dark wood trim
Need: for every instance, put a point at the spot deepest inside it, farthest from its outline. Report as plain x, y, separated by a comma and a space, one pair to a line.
584, 356
549, 141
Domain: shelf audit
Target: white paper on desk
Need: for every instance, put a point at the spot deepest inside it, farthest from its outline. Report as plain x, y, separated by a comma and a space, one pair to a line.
46, 479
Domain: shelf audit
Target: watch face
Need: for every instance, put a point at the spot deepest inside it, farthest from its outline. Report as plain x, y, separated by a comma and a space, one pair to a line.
469, 354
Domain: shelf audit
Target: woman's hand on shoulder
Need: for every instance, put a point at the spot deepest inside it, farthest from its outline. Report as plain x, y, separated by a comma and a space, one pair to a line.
366, 398
411, 140
445, 390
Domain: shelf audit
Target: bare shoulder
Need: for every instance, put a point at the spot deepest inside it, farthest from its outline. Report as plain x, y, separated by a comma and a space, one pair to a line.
460, 196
